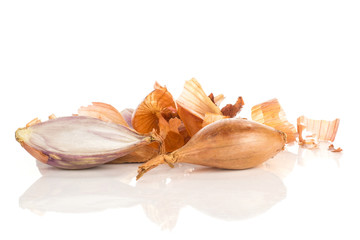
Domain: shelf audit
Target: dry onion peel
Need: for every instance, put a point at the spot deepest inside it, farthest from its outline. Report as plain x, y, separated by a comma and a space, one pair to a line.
127, 115
195, 100
231, 110
158, 111
312, 131
217, 99
103, 111
333, 149
197, 110
322, 129
169, 131
79, 142
140, 155
193, 104
271, 113
156, 104
228, 144
211, 117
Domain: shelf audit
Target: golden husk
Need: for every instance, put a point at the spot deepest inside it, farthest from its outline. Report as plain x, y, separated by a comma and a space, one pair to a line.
271, 114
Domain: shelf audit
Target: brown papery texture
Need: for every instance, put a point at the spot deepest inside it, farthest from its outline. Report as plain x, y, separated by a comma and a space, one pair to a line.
127, 115
227, 143
271, 114
193, 104
231, 110
322, 129
146, 115
103, 111
211, 117
158, 111
142, 154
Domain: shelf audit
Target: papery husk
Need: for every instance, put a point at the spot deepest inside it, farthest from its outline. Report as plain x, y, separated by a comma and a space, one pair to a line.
271, 114
169, 131
231, 110
184, 133
103, 111
52, 116
127, 115
79, 142
193, 104
140, 155
191, 122
333, 149
158, 111
211, 117
231, 143
323, 130
218, 99
146, 115
33, 122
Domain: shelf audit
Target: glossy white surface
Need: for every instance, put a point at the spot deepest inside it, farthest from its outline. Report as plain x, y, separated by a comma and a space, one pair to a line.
298, 194
56, 56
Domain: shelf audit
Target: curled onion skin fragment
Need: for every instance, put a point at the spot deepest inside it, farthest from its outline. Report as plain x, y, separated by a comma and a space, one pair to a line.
156, 112
197, 110
127, 115
271, 114
146, 116
193, 104
323, 130
103, 111
79, 142
140, 155
228, 144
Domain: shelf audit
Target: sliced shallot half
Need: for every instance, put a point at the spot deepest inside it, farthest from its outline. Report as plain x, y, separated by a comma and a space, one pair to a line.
79, 142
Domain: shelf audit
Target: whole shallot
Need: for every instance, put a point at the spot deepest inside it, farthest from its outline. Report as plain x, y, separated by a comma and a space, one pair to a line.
228, 144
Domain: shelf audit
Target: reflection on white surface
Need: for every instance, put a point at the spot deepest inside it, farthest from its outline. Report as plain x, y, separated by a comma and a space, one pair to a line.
162, 192
317, 156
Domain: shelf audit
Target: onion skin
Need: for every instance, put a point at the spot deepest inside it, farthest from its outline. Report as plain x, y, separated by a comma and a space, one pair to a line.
227, 144
140, 155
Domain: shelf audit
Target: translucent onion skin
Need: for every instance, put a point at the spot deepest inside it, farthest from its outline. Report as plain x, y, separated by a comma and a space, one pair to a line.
228, 144
79, 142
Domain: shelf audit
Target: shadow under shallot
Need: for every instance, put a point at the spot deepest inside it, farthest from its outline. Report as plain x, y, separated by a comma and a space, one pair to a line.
229, 195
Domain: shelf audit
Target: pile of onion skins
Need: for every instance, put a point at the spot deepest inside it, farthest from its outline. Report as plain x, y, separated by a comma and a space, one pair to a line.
192, 129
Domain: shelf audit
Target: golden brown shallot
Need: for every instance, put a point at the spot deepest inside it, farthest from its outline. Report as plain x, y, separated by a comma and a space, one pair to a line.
227, 143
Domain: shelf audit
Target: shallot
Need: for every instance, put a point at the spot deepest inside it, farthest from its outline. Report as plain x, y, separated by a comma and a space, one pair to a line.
228, 143
79, 142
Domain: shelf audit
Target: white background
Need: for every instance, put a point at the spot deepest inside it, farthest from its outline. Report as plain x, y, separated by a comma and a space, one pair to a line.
56, 56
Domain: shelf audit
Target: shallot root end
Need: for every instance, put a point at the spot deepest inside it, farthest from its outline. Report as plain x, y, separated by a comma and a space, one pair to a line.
156, 161
22, 134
